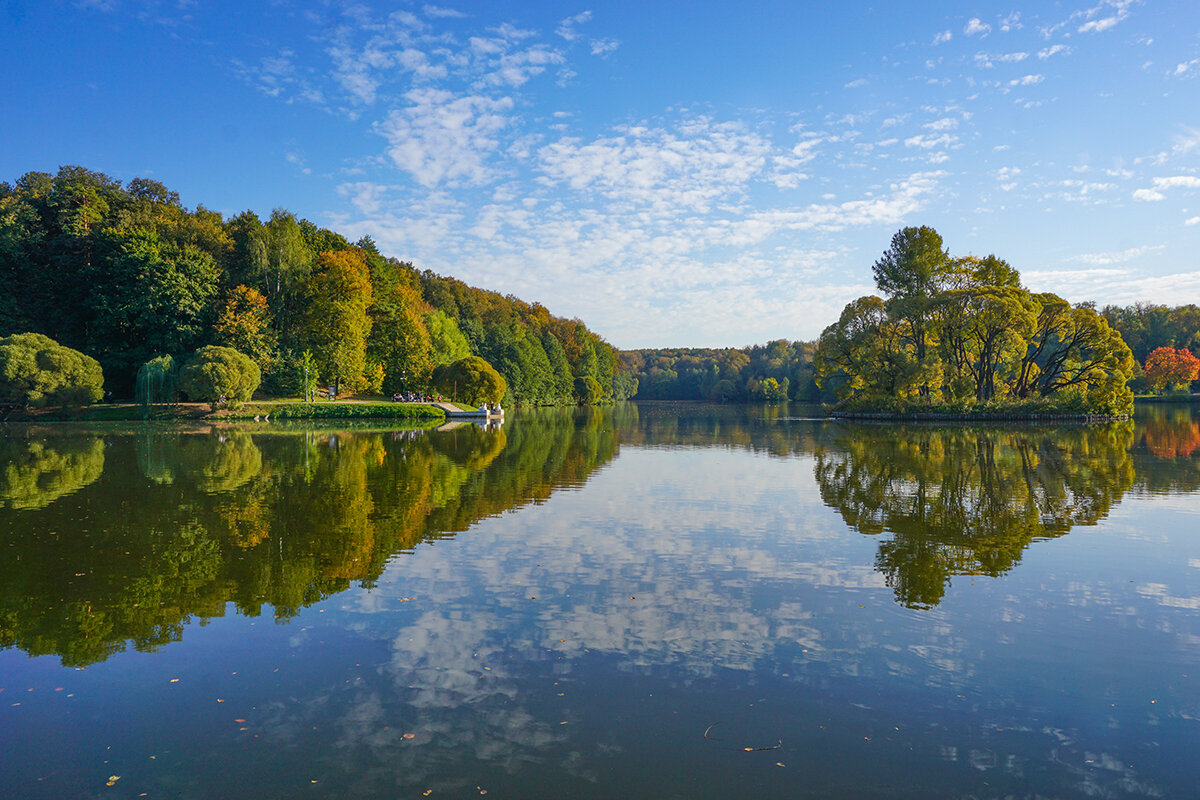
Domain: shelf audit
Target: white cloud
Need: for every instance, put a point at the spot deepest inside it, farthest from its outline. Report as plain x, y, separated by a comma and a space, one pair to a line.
943, 37
1187, 68
1027, 80
1114, 257
297, 160
928, 142
602, 47
442, 138
669, 171
976, 27
1053, 50
566, 28
855, 84
516, 69
1012, 22
437, 12
943, 124
1116, 11
1192, 221
1162, 184
988, 60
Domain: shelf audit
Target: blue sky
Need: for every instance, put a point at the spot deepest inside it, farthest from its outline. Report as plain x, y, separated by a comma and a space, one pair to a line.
674, 174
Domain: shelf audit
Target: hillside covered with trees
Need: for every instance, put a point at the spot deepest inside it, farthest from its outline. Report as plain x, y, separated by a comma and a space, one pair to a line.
126, 273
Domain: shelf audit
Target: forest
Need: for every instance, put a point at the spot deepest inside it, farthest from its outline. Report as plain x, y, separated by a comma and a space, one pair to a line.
125, 274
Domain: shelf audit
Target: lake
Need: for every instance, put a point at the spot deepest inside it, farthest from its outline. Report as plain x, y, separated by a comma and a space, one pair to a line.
643, 601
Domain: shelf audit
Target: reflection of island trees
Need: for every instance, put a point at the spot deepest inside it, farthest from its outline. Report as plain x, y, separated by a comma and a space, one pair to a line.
36, 472
180, 525
968, 501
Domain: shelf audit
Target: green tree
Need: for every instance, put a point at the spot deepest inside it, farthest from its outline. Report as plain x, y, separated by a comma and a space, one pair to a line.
588, 390
914, 268
244, 324
157, 382
280, 260
447, 343
36, 370
399, 341
335, 323
220, 376
471, 379
153, 297
864, 353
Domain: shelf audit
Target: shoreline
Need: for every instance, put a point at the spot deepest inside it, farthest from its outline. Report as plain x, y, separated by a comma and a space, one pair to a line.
898, 416
254, 411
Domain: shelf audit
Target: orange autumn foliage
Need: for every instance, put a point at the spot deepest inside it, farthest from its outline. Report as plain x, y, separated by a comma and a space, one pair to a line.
1169, 366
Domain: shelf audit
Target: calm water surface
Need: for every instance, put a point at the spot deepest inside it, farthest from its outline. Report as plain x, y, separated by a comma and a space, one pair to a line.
652, 601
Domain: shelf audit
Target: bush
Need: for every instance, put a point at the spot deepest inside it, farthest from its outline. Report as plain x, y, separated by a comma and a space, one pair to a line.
37, 371
471, 379
220, 376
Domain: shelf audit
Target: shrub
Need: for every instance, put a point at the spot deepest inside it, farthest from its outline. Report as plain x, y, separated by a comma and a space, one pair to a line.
471, 379
220, 376
35, 370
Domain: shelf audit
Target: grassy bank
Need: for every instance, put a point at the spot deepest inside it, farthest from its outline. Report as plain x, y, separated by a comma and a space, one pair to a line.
335, 410
133, 412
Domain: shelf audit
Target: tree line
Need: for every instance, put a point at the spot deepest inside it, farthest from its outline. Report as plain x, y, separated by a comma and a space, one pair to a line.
124, 273
776, 371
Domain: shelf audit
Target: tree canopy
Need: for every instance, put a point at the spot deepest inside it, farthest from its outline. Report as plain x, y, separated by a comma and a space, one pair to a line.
963, 333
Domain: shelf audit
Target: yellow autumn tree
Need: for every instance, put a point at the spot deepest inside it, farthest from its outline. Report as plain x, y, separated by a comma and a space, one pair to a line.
334, 321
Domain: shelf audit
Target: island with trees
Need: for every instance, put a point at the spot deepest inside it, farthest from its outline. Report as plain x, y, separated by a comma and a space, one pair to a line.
963, 336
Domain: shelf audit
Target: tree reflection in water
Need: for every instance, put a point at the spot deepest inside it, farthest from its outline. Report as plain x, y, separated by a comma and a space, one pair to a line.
968, 500
124, 539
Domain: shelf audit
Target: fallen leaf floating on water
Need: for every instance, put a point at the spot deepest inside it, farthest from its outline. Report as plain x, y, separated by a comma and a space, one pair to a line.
112, 780
410, 736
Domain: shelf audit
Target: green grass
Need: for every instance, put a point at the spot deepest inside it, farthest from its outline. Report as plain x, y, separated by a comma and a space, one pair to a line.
335, 410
